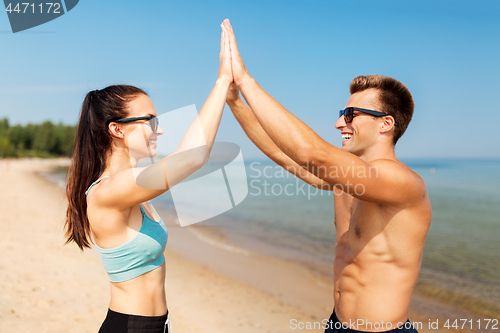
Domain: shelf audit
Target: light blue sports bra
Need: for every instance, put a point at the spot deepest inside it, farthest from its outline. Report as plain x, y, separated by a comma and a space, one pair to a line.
141, 254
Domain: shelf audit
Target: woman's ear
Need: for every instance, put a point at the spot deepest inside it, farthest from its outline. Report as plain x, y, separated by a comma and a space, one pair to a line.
115, 130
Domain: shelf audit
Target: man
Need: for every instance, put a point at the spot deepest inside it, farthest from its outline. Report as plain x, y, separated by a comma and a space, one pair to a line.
382, 211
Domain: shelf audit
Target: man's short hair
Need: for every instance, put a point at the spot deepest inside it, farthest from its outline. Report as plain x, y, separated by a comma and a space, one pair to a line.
394, 97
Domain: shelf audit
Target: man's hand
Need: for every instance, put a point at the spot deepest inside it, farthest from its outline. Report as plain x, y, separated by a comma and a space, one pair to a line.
233, 95
225, 72
240, 73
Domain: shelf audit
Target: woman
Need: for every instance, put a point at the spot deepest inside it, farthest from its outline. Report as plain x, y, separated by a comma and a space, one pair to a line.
118, 127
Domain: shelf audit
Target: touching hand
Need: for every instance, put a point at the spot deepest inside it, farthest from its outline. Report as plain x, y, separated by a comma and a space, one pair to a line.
240, 72
233, 95
225, 72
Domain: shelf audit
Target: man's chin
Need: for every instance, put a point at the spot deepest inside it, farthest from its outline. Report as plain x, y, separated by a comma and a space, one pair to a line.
345, 147
349, 149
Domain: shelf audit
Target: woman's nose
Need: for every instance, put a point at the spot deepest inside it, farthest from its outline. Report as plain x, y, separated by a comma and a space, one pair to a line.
159, 130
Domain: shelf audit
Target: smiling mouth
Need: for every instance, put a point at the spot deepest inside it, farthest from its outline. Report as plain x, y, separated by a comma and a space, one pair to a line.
346, 137
152, 142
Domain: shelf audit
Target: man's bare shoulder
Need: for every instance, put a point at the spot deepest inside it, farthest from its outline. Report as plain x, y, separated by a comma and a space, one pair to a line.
413, 188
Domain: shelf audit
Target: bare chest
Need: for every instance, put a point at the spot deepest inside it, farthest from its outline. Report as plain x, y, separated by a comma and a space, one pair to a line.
356, 220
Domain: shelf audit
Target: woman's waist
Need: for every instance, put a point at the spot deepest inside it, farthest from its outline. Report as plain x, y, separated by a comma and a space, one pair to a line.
143, 295
146, 303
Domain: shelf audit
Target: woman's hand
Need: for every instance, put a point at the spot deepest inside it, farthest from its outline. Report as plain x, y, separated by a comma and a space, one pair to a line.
225, 72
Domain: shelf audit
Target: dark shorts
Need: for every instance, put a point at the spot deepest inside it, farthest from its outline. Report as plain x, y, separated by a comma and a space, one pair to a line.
335, 326
116, 322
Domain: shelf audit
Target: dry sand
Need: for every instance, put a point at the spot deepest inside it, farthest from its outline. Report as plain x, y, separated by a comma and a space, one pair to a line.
50, 287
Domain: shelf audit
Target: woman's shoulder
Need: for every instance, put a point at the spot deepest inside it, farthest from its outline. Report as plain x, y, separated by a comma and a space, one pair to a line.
116, 191
101, 215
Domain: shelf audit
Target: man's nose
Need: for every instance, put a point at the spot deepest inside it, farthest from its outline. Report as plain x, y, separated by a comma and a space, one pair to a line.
340, 123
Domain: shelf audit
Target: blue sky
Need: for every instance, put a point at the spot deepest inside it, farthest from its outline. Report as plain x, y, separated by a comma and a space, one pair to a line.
304, 53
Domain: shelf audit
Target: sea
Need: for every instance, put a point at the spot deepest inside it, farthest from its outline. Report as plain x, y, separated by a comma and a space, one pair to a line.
284, 218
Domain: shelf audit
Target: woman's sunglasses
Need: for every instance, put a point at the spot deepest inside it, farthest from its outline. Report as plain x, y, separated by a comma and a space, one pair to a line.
348, 113
152, 120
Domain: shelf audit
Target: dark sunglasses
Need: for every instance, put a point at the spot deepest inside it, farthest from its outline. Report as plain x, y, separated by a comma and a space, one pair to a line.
348, 113
152, 120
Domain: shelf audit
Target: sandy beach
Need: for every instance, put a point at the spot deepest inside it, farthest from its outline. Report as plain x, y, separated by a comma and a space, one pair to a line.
51, 287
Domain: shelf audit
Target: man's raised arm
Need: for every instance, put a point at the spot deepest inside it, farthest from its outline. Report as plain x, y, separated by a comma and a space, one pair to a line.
337, 167
259, 137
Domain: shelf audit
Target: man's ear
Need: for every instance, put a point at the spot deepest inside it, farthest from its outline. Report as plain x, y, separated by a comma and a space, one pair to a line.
115, 131
387, 124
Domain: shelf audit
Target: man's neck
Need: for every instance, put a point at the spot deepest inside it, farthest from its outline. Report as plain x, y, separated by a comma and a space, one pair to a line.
377, 153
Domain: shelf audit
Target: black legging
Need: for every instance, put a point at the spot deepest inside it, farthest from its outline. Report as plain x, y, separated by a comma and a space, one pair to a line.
116, 322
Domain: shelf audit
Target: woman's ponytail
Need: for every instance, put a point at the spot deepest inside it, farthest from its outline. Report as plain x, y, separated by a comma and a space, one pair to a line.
92, 144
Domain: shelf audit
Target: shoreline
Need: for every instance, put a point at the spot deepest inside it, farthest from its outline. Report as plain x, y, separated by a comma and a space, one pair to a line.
277, 278
266, 278
428, 301
424, 289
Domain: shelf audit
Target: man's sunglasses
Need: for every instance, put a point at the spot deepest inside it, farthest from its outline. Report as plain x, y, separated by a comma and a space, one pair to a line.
348, 113
152, 120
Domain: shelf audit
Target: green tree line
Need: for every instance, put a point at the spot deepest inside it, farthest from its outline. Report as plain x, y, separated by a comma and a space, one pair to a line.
36, 140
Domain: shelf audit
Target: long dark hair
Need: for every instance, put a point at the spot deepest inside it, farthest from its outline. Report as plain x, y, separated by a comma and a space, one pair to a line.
92, 144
